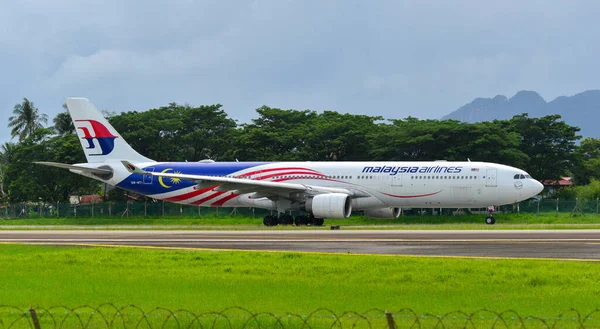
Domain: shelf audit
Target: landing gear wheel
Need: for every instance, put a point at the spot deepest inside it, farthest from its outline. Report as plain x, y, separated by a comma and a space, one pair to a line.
490, 220
318, 221
270, 220
301, 220
286, 220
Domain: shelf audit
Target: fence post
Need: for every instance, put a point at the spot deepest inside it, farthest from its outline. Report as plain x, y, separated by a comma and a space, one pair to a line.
93, 203
556, 206
34, 318
597, 206
163, 208
180, 210
538, 207
57, 209
198, 210
390, 320
145, 208
75, 210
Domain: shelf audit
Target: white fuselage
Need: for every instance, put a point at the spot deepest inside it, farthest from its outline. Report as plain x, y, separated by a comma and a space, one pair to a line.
431, 184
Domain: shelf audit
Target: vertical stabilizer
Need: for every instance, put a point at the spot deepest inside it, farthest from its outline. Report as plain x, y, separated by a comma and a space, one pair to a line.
100, 141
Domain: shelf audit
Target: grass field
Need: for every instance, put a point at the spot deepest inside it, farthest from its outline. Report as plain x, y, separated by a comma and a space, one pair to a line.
504, 221
201, 281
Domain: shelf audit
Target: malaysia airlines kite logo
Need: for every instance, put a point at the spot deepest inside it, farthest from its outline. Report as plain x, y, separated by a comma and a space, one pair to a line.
99, 132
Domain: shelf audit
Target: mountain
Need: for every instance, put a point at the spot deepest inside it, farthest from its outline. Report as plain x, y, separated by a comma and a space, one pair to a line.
581, 110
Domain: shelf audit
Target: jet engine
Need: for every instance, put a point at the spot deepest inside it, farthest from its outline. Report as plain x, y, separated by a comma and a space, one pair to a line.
331, 205
383, 213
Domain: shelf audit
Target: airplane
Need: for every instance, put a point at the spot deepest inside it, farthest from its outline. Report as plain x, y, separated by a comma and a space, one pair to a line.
319, 189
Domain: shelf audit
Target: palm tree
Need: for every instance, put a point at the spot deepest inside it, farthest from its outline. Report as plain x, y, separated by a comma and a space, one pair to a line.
62, 122
26, 120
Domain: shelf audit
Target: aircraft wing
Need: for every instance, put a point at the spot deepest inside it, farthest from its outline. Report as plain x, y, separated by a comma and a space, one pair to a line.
247, 185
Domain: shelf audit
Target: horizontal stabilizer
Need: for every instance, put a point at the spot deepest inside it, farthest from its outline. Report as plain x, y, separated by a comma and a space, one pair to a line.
98, 171
132, 168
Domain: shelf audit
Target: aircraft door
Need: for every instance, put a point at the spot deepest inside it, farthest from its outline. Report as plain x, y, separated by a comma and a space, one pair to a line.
147, 177
491, 179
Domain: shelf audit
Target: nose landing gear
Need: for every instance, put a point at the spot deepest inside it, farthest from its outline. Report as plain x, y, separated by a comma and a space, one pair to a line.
490, 220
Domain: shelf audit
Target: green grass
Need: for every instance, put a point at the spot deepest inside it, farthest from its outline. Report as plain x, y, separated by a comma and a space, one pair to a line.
45, 276
504, 221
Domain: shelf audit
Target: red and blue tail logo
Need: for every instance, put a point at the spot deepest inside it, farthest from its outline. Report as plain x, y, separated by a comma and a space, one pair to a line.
105, 139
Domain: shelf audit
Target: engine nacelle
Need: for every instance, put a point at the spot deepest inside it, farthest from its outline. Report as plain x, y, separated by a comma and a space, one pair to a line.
383, 213
331, 205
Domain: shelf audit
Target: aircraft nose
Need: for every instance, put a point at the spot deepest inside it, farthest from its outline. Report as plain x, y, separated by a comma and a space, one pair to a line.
537, 187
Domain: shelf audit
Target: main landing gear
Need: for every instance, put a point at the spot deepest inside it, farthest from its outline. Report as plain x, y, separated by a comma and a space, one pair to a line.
301, 220
490, 220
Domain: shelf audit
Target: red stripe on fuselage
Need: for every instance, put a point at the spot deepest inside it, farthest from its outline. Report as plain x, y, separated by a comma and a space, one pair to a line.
274, 169
223, 200
210, 197
189, 195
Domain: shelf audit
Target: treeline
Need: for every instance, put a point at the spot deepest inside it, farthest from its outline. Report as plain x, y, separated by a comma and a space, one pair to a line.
546, 147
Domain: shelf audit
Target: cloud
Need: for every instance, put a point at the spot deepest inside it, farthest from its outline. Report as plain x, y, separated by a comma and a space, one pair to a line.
390, 58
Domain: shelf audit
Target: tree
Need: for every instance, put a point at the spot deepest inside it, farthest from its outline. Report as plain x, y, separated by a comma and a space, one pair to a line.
63, 124
412, 139
24, 180
185, 133
6, 157
588, 161
26, 119
548, 142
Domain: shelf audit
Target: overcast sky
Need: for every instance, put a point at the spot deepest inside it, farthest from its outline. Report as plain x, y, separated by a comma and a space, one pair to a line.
392, 58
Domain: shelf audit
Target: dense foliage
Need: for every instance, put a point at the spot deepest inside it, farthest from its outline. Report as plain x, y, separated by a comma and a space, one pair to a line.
546, 147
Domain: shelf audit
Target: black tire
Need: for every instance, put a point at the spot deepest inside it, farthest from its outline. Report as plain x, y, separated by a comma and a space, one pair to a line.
286, 220
490, 220
301, 221
318, 221
270, 221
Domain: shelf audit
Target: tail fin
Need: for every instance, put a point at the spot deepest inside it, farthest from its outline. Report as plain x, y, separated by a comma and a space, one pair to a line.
100, 141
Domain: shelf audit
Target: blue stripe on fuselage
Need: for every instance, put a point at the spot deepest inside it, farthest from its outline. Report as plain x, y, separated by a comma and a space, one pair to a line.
149, 185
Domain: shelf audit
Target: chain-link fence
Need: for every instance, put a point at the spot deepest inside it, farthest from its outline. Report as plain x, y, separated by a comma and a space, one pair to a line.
111, 316
167, 209
121, 209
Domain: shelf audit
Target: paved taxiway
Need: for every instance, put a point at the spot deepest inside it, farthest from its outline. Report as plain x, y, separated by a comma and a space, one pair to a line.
557, 244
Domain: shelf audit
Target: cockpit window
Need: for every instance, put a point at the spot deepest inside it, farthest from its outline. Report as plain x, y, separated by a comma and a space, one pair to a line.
522, 176
517, 176
528, 176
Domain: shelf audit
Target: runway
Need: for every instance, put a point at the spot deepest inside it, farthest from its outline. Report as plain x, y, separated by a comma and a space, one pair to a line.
534, 244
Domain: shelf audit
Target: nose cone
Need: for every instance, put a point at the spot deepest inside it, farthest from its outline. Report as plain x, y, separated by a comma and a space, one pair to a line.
537, 187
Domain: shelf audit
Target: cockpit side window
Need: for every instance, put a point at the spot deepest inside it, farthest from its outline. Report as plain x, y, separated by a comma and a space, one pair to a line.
517, 176
522, 176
